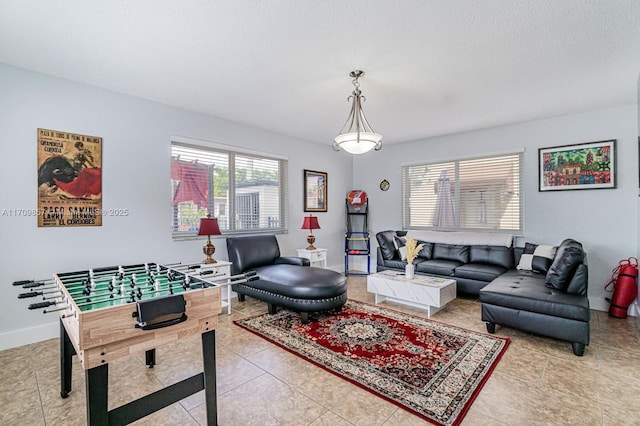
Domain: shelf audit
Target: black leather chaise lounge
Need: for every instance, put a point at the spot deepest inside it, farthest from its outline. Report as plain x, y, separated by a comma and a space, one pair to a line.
288, 282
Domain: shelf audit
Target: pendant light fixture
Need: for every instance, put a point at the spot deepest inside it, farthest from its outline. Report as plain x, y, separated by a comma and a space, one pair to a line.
357, 135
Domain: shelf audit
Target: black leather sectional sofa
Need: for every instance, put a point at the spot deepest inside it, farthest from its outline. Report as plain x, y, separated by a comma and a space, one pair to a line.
553, 304
473, 267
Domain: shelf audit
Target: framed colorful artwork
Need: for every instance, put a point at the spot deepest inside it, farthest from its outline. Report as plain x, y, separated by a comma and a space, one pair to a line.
589, 165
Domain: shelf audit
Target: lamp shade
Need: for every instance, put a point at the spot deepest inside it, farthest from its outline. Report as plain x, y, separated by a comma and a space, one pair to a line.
358, 144
310, 222
209, 226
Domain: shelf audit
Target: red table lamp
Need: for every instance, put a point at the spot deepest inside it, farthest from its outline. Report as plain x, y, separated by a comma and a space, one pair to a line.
209, 226
310, 223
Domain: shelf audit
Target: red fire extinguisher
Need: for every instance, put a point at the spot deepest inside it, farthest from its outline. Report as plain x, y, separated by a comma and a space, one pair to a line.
625, 289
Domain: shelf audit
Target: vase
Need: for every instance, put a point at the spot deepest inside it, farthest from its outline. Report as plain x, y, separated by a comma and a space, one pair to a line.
409, 271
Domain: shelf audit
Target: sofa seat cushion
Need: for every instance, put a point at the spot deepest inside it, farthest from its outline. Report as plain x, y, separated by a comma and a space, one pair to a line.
438, 266
479, 271
300, 282
526, 291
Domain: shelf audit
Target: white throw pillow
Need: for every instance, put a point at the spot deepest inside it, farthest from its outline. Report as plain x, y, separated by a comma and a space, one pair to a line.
536, 258
403, 252
399, 243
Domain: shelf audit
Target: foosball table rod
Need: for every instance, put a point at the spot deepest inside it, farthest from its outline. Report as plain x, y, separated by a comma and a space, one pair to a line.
133, 295
56, 290
34, 283
53, 301
132, 280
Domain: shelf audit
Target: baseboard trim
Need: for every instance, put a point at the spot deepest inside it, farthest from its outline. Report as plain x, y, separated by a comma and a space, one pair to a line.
29, 335
337, 268
600, 304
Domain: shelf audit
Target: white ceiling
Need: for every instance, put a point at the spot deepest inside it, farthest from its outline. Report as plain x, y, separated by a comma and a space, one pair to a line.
432, 67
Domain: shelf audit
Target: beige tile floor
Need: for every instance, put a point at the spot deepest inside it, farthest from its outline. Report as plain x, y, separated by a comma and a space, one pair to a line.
538, 382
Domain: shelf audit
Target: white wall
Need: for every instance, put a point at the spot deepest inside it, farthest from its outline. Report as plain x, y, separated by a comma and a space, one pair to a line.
604, 221
136, 176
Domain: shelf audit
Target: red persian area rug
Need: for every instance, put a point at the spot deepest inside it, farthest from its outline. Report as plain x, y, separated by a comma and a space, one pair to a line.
430, 368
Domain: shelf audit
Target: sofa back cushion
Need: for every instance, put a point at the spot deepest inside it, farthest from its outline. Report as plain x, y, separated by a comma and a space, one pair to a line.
451, 252
388, 243
580, 280
517, 254
568, 257
250, 252
427, 250
492, 255
385, 242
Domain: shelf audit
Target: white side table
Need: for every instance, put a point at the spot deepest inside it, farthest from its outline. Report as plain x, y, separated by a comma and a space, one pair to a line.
317, 257
221, 268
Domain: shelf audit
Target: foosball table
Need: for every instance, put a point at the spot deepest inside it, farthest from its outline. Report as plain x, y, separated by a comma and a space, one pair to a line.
111, 312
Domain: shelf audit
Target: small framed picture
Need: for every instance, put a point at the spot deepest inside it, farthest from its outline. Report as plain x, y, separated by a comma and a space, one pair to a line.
315, 191
581, 166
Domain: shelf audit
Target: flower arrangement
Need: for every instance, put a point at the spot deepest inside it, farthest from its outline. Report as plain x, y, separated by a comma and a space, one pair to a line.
413, 248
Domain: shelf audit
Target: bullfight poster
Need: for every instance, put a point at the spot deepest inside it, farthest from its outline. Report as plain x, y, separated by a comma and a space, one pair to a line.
69, 179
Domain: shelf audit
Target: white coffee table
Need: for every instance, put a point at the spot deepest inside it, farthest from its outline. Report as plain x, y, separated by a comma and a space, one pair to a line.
424, 292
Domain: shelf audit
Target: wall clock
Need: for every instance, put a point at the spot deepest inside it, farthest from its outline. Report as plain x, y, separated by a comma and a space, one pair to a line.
384, 185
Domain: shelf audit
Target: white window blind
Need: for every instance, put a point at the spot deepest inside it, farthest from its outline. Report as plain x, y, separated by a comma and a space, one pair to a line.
472, 194
246, 192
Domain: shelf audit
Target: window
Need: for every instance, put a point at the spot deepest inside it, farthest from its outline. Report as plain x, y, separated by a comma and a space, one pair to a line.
474, 194
245, 191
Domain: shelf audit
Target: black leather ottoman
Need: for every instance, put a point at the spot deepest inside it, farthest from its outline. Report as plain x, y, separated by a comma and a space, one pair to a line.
299, 288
